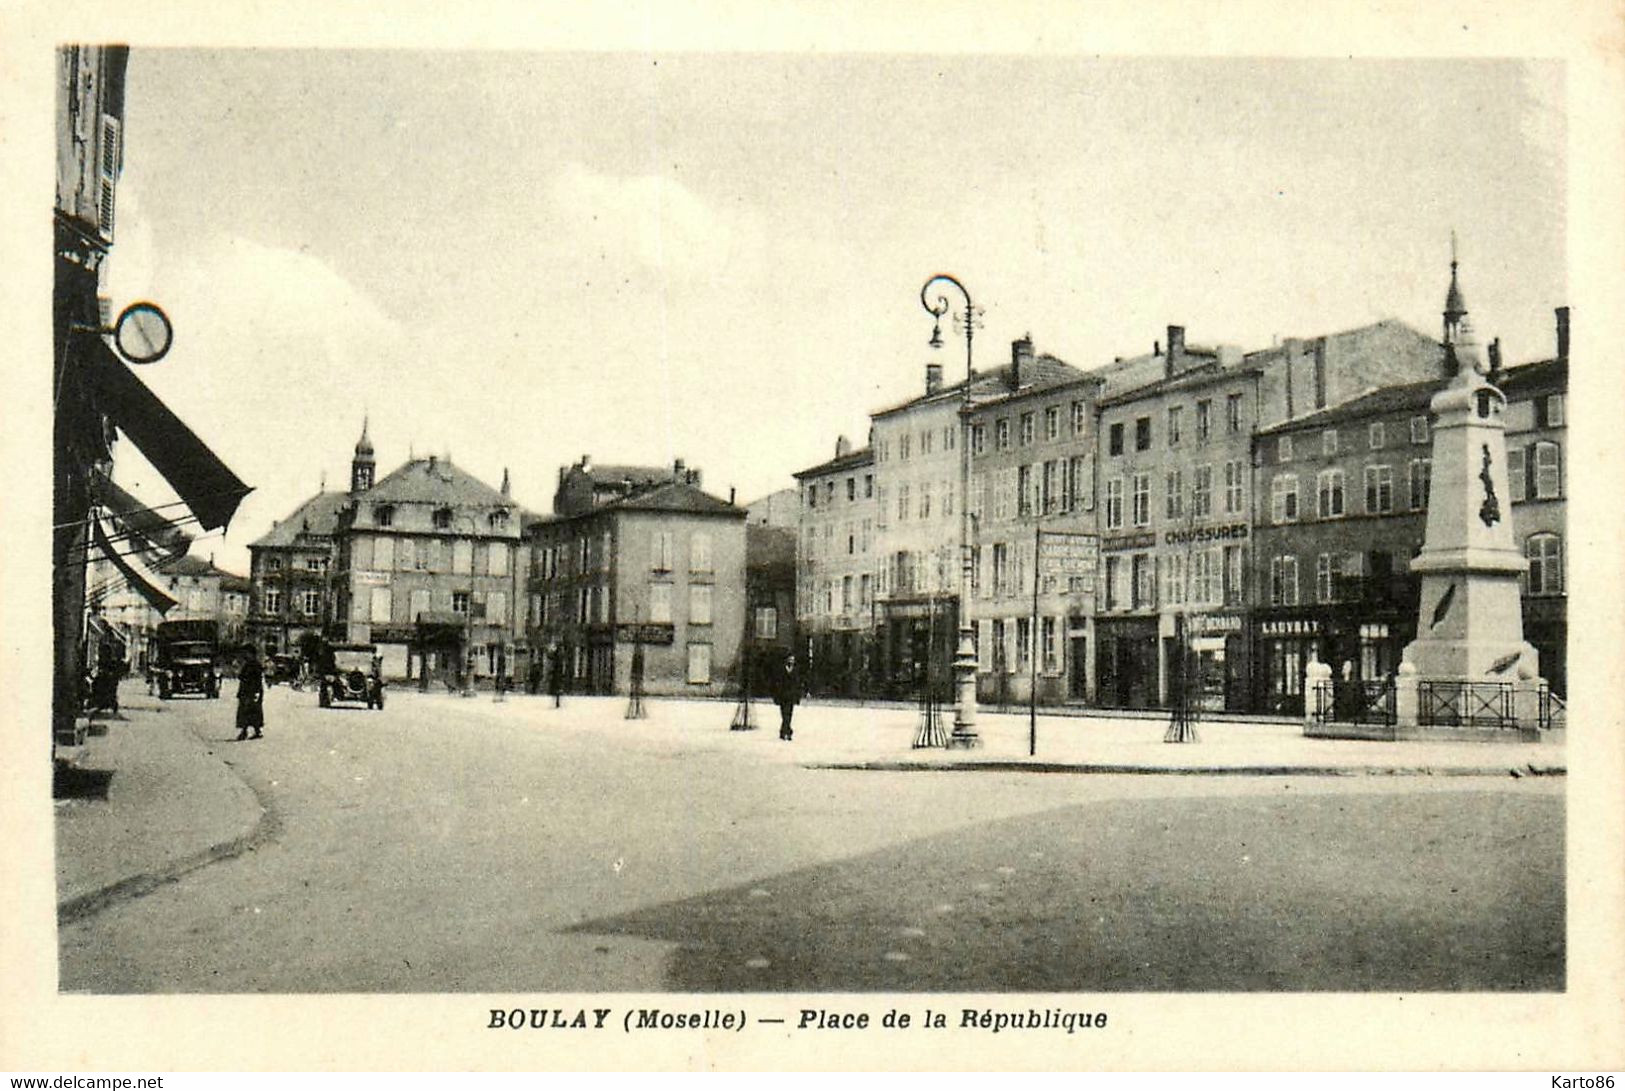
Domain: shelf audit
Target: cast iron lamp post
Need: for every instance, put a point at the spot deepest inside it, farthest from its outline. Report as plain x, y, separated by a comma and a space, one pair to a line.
964, 735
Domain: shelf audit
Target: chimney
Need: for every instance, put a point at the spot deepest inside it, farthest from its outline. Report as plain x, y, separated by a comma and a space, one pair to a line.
586, 463
1563, 335
1176, 349
1495, 361
1156, 348
730, 496
677, 471
506, 490
843, 446
1021, 360
933, 378
434, 461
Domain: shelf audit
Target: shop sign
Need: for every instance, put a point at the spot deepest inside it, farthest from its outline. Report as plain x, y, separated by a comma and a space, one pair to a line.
1215, 623
372, 579
1144, 539
1073, 558
1302, 627
648, 632
1205, 534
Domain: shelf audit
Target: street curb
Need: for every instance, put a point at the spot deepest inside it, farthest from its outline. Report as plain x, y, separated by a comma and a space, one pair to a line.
257, 830
1013, 766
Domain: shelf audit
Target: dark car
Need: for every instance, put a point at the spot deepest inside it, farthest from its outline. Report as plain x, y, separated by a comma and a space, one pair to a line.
352, 672
189, 667
281, 668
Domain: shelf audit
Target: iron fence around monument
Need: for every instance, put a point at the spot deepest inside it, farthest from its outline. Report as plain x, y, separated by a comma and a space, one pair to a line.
1355, 701
1465, 704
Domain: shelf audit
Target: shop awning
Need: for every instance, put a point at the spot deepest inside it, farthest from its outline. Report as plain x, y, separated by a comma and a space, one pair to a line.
139, 526
196, 474
133, 564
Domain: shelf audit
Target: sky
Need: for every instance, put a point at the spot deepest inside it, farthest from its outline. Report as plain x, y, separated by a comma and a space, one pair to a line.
516, 259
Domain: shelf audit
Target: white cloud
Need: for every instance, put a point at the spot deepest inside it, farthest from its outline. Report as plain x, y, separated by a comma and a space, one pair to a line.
655, 221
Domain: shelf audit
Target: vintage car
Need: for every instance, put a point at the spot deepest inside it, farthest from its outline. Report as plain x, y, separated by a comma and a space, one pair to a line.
188, 666
351, 672
281, 668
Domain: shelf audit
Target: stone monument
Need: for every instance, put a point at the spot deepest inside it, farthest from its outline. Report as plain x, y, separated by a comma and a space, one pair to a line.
1469, 672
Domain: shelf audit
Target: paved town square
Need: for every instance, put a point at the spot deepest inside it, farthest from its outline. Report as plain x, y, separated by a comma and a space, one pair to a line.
456, 844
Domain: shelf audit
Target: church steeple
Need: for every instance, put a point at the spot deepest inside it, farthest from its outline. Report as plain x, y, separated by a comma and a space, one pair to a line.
1455, 308
362, 466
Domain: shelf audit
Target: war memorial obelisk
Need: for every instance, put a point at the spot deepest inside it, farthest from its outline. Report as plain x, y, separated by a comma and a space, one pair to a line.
1469, 672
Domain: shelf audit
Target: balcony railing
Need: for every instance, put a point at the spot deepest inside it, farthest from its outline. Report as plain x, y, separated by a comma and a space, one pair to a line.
1355, 701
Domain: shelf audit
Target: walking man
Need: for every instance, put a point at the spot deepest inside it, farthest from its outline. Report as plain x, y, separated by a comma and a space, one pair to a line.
555, 678
250, 697
786, 693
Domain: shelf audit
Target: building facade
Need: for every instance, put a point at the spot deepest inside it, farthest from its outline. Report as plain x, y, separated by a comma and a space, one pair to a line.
838, 570
638, 571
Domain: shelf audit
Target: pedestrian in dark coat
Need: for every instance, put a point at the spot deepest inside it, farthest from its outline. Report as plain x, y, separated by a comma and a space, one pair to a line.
555, 678
786, 694
250, 698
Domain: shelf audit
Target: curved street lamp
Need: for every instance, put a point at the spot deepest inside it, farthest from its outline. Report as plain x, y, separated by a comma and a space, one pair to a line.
964, 734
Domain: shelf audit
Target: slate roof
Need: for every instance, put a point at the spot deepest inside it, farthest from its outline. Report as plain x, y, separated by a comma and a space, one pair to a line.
318, 515
1374, 403
673, 496
436, 481
851, 460
196, 566
993, 384
1534, 376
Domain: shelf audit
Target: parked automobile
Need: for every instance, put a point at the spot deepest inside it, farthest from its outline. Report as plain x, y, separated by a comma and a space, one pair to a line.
281, 668
352, 673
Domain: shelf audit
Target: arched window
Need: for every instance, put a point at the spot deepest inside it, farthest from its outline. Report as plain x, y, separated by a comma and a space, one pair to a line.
1545, 553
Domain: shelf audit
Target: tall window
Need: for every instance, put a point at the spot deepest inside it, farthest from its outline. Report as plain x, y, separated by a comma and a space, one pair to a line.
271, 602
1114, 504
1283, 449
902, 503
978, 439
459, 602
1379, 489
1421, 481
1142, 433
383, 515
1052, 485
380, 605
1206, 583
1173, 579
851, 489
1052, 423
1145, 581
1202, 493
1001, 569
699, 603
1024, 643
904, 442
1545, 553
1374, 435
1284, 581
1027, 429
1174, 480
660, 551
1113, 578
1024, 490
1001, 434
1080, 417
1328, 442
1518, 473
1176, 424
1549, 411
406, 554
310, 603
1233, 478
1548, 478
1284, 498
1326, 573
1114, 439
1052, 661
1232, 412
925, 500
1419, 429
1234, 587
1204, 420
1078, 482
660, 603
1142, 500
767, 622
699, 664
1329, 490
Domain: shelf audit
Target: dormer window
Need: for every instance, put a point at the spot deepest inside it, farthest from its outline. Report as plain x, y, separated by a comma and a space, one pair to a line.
442, 519
499, 520
384, 515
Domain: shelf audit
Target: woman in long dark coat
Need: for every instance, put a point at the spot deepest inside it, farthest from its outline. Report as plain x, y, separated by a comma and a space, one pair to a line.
250, 698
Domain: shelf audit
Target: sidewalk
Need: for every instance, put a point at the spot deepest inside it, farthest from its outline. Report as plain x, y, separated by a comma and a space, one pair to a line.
847, 736
172, 806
